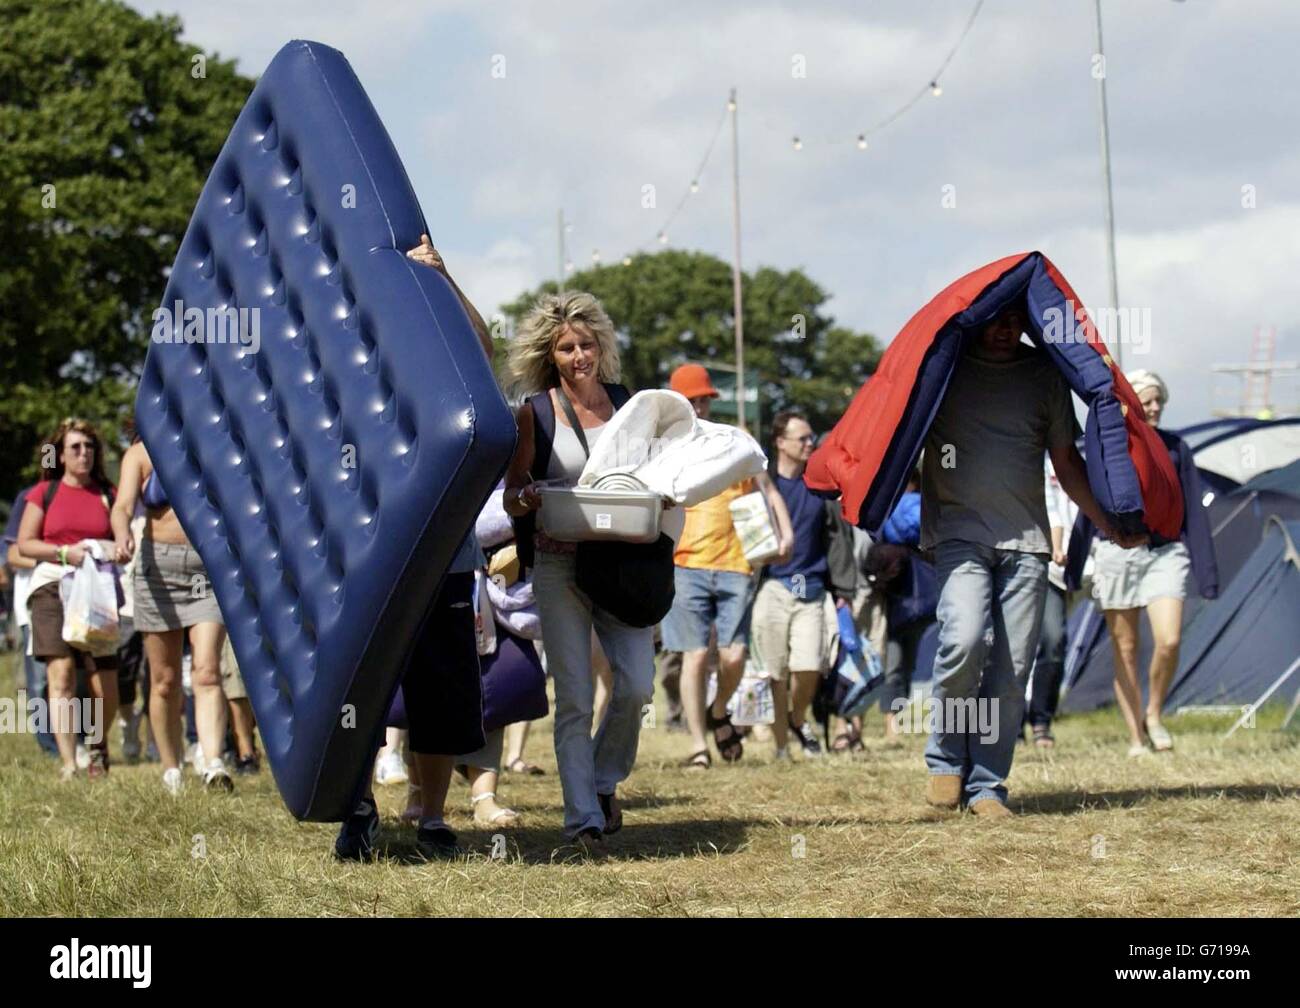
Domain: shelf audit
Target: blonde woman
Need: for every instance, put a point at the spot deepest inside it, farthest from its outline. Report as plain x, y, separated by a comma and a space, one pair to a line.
565, 360
1153, 578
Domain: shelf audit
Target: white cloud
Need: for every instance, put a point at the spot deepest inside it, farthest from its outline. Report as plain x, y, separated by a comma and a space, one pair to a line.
599, 99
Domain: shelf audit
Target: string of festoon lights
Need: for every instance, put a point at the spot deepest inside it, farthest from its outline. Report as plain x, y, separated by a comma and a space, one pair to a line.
932, 87
860, 139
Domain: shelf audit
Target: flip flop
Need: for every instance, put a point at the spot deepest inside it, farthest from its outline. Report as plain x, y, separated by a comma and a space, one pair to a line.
698, 761
495, 819
1161, 740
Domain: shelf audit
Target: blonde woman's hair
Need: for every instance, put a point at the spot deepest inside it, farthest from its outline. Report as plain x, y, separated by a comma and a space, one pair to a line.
532, 353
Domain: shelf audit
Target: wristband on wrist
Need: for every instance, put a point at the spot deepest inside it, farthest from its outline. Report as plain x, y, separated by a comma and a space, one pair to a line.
63, 554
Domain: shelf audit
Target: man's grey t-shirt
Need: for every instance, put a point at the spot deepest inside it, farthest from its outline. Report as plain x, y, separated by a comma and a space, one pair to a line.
982, 478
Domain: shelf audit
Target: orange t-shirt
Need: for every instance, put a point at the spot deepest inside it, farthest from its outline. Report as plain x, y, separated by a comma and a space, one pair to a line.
709, 540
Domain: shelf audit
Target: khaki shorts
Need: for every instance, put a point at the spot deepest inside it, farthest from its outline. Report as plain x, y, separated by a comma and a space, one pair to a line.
232, 683
786, 632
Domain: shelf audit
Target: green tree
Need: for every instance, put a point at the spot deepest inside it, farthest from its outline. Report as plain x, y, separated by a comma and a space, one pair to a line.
109, 123
676, 306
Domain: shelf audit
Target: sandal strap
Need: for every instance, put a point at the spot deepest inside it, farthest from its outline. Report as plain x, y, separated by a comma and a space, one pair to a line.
483, 797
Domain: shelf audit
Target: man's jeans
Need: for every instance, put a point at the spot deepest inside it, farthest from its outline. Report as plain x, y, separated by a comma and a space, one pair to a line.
990, 610
1049, 665
36, 682
590, 766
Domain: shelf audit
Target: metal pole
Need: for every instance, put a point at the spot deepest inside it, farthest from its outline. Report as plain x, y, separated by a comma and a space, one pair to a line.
560, 232
737, 310
1117, 350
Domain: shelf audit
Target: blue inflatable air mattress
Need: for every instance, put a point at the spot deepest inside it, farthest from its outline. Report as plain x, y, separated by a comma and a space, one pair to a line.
321, 416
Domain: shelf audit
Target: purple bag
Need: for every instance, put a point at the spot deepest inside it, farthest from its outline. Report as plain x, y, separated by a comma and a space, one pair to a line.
513, 681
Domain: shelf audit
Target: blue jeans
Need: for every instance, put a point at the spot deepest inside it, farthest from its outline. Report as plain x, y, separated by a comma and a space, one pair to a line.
704, 599
590, 767
990, 610
1049, 664
36, 682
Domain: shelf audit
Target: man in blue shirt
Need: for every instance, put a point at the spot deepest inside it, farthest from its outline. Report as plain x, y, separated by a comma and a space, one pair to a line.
789, 623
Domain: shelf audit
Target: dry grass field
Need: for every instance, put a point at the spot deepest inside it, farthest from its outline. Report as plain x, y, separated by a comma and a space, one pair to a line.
1211, 829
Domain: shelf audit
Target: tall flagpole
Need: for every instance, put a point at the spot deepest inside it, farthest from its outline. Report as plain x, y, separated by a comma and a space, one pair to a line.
737, 309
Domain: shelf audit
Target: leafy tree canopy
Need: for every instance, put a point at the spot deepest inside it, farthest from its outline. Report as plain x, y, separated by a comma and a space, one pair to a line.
109, 123
676, 306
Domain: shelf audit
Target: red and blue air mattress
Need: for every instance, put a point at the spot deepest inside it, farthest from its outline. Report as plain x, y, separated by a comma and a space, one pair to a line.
869, 454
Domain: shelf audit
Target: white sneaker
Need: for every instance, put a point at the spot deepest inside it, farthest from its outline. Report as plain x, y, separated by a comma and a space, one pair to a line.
390, 769
1137, 750
173, 781
83, 756
217, 777
781, 755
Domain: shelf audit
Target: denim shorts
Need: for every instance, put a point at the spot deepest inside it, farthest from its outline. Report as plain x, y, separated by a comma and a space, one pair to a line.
704, 598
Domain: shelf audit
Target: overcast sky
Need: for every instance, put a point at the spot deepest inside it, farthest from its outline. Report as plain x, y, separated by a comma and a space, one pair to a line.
598, 100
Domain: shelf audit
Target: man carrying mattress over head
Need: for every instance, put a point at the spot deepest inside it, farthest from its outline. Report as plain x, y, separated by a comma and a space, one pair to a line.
984, 516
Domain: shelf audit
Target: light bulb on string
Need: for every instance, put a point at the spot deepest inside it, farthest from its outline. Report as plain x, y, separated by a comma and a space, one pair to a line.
695, 186
595, 255
862, 142
731, 105
663, 238
935, 89
627, 260
568, 267
798, 144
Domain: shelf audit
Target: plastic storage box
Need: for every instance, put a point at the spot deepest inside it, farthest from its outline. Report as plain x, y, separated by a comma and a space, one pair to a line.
577, 515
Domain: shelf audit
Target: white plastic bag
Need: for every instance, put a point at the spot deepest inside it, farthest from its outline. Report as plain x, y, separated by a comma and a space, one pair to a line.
752, 702
755, 527
485, 625
89, 597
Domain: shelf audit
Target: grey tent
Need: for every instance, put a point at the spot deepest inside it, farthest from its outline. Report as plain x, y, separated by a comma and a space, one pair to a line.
1236, 648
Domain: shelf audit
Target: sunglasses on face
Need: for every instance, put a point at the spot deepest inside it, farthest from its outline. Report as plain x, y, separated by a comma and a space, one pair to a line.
82, 448
806, 439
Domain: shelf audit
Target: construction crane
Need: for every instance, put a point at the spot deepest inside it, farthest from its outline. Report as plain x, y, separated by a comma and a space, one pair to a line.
1257, 389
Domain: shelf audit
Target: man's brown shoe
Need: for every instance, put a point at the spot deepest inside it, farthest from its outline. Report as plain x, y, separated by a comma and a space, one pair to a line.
943, 790
991, 808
